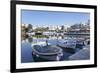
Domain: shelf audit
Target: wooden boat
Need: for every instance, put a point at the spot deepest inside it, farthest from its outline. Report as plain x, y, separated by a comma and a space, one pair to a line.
47, 52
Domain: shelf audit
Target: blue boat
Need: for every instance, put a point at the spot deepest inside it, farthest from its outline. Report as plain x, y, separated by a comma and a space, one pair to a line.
47, 52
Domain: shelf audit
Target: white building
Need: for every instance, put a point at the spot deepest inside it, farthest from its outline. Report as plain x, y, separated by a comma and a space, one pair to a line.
52, 27
66, 27
34, 27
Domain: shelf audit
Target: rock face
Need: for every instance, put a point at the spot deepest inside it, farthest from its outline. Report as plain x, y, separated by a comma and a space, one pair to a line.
81, 55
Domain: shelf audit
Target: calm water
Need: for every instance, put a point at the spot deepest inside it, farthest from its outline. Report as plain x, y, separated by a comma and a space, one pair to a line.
26, 49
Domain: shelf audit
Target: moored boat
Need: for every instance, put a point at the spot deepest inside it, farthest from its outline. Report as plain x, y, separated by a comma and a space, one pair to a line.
47, 52
68, 43
71, 45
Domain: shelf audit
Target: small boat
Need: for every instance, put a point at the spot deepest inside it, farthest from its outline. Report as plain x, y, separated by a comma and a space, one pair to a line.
47, 52
68, 43
71, 45
87, 42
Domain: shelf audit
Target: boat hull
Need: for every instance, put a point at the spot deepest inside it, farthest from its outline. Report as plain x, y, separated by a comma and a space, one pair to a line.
46, 58
53, 53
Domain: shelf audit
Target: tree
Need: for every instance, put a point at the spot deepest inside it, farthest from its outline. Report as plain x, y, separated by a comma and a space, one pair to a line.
29, 27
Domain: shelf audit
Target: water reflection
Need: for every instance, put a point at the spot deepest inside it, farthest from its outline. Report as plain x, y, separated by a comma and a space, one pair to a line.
26, 49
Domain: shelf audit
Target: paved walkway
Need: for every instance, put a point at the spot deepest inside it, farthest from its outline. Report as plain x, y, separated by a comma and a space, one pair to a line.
81, 55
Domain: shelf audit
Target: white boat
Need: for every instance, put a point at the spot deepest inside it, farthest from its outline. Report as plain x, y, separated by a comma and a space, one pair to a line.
71, 43
47, 52
68, 43
39, 43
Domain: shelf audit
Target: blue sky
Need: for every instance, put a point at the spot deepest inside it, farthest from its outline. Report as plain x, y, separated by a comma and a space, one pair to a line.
50, 18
